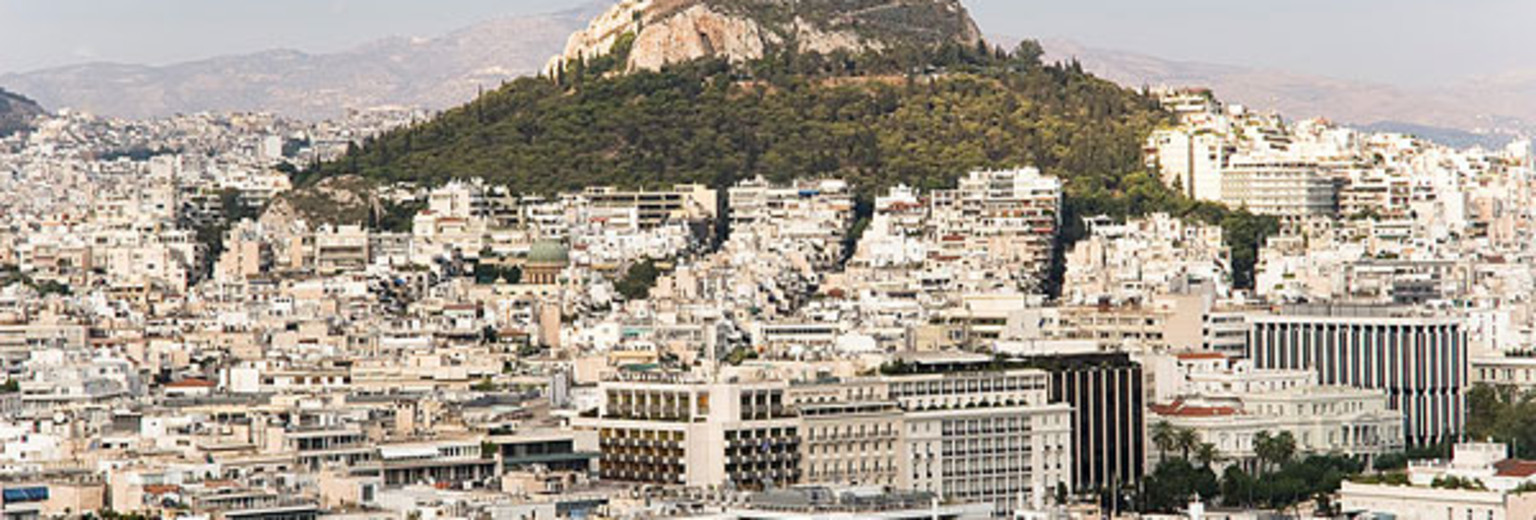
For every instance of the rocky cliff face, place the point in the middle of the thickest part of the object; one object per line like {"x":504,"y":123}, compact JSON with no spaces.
{"x":671,"y":31}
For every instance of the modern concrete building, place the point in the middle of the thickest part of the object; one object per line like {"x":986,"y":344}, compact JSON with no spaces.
{"x":983,"y":435}
{"x":948,"y":428}
{"x":1421,"y":361}
{"x":1107,"y":394}
{"x":683,"y":203}
{"x":1488,"y":486}
{"x":671,"y":429}
{"x":1279,"y":186}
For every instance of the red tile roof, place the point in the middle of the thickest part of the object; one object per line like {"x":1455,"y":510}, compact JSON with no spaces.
{"x":191,"y":382}
{"x":158,"y":489}
{"x":1179,"y":409}
{"x":1195,"y":356}
{"x":1515,"y":468}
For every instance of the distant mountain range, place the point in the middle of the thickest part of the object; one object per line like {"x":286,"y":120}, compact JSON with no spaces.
{"x":436,"y":73}
{"x":1483,"y":111}
{"x":449,"y":70}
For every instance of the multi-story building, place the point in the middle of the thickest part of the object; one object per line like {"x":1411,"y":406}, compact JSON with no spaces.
{"x":1107,"y":394}
{"x":808,"y":218}
{"x":851,"y":432}
{"x":1190,"y":161}
{"x":340,"y":249}
{"x":1143,"y":258}
{"x":1279,"y":186}
{"x":683,"y":203}
{"x":946,"y":427}
{"x":997,"y":219}
{"x":1421,"y":361}
{"x":1322,"y":419}
{"x":1486,"y":485}
{"x":670,"y":429}
{"x":1505,"y":371}
{"x":983,"y":436}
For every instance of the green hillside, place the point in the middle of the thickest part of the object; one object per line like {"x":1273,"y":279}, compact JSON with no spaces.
{"x":916,"y":117}
{"x":16,"y":113}
{"x":789,"y":116}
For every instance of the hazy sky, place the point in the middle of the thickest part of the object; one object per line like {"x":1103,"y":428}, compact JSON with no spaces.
{"x":1408,"y":42}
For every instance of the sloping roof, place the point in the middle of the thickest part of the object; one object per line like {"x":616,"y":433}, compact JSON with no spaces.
{"x":161,"y":489}
{"x":191,"y":382}
{"x":1179,"y":409}
{"x":1515,"y":468}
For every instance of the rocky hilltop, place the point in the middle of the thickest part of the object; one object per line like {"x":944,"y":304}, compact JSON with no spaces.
{"x":659,"y":32}
{"x":16,"y":113}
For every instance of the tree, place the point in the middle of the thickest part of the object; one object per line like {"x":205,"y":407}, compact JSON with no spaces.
{"x":1187,"y":441}
{"x":1296,"y":482}
{"x":1207,"y":454}
{"x":1173,"y":484}
{"x":1028,"y":54}
{"x":1504,"y":414}
{"x":1238,"y":489}
{"x":1165,"y":437}
{"x":784,"y":117}
{"x":1274,"y":450}
{"x":638,"y":280}
{"x":487,"y":273}
{"x":1284,"y":448}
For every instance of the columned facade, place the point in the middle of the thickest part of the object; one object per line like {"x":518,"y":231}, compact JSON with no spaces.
{"x":1421,"y":362}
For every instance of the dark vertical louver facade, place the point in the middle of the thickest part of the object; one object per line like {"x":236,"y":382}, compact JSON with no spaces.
{"x":1107,"y":395}
{"x":1421,"y":362}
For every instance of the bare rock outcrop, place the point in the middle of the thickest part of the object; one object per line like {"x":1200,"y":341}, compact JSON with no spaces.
{"x":662,"y":32}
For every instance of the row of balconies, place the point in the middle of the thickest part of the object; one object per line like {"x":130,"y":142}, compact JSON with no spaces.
{"x":629,"y":458}
{"x":988,"y":452}
{"x":836,"y":437}
{"x":762,"y":458}
{"x":642,"y":443}
{"x":644,"y":476}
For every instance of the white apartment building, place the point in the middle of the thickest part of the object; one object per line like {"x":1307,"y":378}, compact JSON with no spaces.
{"x":1496,"y":495}
{"x":1280,"y":186}
{"x":806,"y":219}
{"x":998,"y":220}
{"x":1190,"y":161}
{"x":682,"y":203}
{"x":984,"y":436}
{"x":1144,"y":258}
{"x":670,"y":429}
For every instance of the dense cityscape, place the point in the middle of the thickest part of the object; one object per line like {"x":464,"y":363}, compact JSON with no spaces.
{"x":198,"y":321}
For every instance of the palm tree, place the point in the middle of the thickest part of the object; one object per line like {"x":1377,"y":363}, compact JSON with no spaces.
{"x":1187,"y":441}
{"x":1285,"y":447}
{"x":1164,"y":436}
{"x":1263,"y":449}
{"x":1207,"y":454}
{"x":1274,"y":450}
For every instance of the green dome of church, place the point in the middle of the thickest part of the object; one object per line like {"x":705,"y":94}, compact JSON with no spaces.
{"x":548,"y":252}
